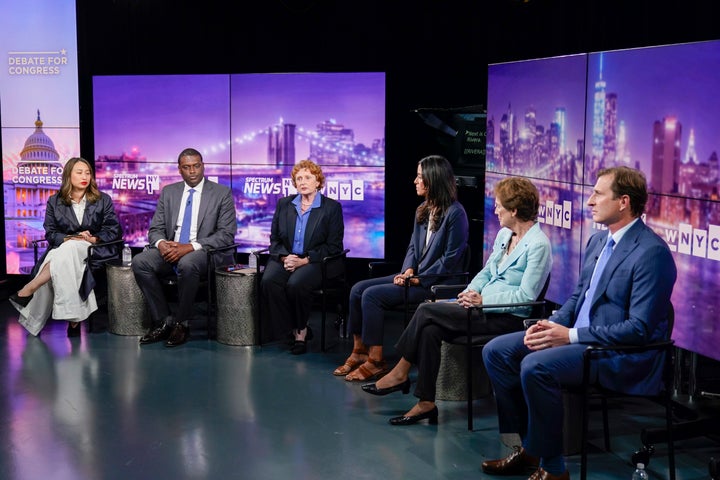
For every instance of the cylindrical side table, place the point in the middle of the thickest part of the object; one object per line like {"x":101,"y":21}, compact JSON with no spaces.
{"x":237,"y":309}
{"x":127,"y":313}
{"x":452,"y":377}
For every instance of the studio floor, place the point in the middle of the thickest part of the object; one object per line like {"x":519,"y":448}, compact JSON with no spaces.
{"x":102,"y":407}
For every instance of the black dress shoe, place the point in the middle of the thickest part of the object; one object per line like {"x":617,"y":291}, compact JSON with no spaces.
{"x":73,"y":331}
{"x":156,"y":335}
{"x":21,"y":301}
{"x":179,"y":335}
{"x":517,"y":463}
{"x":431,"y":415}
{"x":308,"y":336}
{"x":374,"y":390}
{"x":299,"y":347}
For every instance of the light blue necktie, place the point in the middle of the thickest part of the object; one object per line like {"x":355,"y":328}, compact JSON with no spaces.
{"x":187,"y":219}
{"x":583,"y":318}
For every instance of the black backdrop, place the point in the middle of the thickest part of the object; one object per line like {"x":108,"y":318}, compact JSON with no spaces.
{"x":435,"y":53}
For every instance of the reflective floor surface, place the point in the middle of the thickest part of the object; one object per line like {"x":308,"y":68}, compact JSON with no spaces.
{"x":102,"y":407}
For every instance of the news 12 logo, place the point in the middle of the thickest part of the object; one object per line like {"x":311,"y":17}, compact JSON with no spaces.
{"x":556,"y":214}
{"x":697,"y":242}
{"x":133,"y":181}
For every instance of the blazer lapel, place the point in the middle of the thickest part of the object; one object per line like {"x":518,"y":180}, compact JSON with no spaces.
{"x":204,"y":200}
{"x":290,"y":220}
{"x":315,"y":215}
{"x":517,"y":251}
{"x":90,"y":209}
{"x":620,"y":253}
{"x":69,"y":214}
{"x":175,"y":200}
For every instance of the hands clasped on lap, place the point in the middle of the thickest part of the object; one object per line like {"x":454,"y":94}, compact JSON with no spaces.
{"x":173,"y":251}
{"x":293,"y":262}
{"x":545,"y":334}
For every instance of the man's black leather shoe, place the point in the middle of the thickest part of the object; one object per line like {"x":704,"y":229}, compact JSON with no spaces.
{"x":156,"y":335}
{"x":179,"y":335}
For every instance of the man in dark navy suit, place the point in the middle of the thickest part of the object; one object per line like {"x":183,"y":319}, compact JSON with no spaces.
{"x":622,"y":297}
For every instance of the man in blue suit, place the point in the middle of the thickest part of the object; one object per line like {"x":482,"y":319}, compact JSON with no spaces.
{"x":207,"y":211}
{"x":626,"y":302}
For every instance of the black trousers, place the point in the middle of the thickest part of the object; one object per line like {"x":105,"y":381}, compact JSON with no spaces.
{"x":149,"y":268}
{"x":420,"y":343}
{"x":287,"y":296}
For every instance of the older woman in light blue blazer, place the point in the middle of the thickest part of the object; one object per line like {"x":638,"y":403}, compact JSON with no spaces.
{"x":515,"y":272}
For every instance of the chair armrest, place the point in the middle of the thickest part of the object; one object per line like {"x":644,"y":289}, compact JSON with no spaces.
{"x":596,"y":350}
{"x":211,"y":251}
{"x":36,"y":245}
{"x":484,"y":306}
{"x":382,"y":268}
{"x":331,"y":260}
{"x":259,"y":254}
{"x":446,"y":291}
{"x":93,"y":246}
{"x":465,"y":276}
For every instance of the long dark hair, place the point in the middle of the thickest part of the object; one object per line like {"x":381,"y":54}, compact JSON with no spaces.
{"x":92,"y":194}
{"x":439,"y":180}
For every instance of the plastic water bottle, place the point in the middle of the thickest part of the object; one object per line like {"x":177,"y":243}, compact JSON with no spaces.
{"x":252,"y":260}
{"x":126,"y":255}
{"x":640,"y":473}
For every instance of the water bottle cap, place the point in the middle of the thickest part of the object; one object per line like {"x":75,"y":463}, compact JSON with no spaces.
{"x":641,"y":466}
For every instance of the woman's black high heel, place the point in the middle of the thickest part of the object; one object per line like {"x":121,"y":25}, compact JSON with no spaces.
{"x":374,"y":390}
{"x":22,"y":301}
{"x":431,"y":415}
{"x":299,"y":347}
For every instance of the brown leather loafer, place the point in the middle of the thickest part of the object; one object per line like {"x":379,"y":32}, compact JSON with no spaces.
{"x":541,"y":474}
{"x":517,"y":463}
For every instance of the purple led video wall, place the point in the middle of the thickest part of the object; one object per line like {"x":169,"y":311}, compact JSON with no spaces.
{"x":653,"y":109}
{"x":535,"y":129}
{"x":251,"y":130}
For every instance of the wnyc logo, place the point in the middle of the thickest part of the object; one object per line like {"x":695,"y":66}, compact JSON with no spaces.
{"x":556,"y":214}
{"x":698,"y":242}
{"x":133,"y":181}
{"x":350,"y":190}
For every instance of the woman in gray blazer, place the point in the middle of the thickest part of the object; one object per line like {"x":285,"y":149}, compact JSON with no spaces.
{"x":438,"y":246}
{"x":515,"y":272}
{"x":77,"y":216}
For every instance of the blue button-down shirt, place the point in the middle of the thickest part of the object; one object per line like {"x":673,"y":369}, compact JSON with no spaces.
{"x":298,"y":247}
